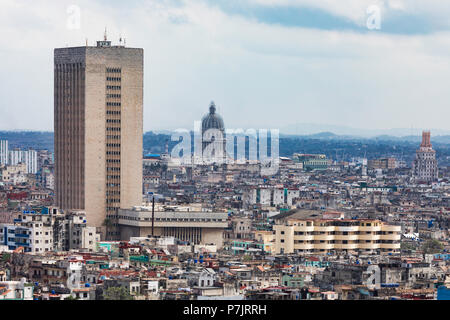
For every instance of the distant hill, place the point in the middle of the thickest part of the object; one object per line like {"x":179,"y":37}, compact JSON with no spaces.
{"x":314,"y":128}
{"x":38,"y":140}
{"x":441,"y":139}
{"x":334,"y":146}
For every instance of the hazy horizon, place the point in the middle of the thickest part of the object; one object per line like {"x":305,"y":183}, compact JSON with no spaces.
{"x":339,"y":131}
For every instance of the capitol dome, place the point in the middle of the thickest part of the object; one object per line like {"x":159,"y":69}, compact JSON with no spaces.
{"x":212,"y":120}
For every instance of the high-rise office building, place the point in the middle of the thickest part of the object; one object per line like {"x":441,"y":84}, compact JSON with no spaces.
{"x":425,"y":165}
{"x":98,"y":116}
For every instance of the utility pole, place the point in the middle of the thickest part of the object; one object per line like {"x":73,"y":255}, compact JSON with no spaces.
{"x":153,"y":215}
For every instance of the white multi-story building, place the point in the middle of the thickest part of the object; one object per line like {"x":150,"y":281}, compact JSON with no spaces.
{"x":31,"y":160}
{"x":49,"y":230}
{"x":270,"y":196}
{"x":15,"y":157}
{"x":14,"y":174}
{"x":33,"y":236}
{"x":4,"y":152}
{"x":16,"y":290}
{"x":50,"y":181}
{"x":81,"y":236}
{"x":320,"y":236}
{"x":28,"y":157}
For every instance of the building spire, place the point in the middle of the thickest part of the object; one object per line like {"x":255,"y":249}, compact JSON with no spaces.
{"x":426,"y":139}
{"x":212,"y":108}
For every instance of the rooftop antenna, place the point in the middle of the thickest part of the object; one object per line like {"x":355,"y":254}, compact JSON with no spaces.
{"x":105,"y":37}
{"x":120,"y":40}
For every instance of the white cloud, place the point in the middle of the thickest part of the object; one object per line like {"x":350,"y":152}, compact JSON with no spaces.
{"x":259,"y":75}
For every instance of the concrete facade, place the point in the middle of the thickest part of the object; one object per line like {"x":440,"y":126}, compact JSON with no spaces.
{"x":325,"y":235}
{"x":425,"y":167}
{"x":191,"y":226}
{"x":98,"y":131}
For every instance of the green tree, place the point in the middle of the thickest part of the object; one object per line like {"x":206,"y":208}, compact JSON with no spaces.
{"x":117,"y":293}
{"x":407,"y":246}
{"x":247,"y":257}
{"x":432,"y":246}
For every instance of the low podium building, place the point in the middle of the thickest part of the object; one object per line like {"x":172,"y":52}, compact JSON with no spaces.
{"x":196,"y":227}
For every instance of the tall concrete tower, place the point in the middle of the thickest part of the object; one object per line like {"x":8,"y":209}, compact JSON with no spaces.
{"x":98,"y":116}
{"x":424,"y":167}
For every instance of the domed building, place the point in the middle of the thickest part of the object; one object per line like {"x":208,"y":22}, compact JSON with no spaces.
{"x":213,"y":121}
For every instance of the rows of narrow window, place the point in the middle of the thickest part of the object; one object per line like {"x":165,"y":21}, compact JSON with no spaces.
{"x":113,"y":87}
{"x":113,"y":79}
{"x":113,"y":70}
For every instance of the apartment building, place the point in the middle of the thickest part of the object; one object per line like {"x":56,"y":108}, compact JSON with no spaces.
{"x":14,"y":174}
{"x":49,"y":230}
{"x":270,"y":196}
{"x":28,"y":157}
{"x":16,"y":290}
{"x":4,"y":152}
{"x":33,"y":236}
{"x":325,"y":235}
{"x":383,"y":163}
{"x":311,"y":161}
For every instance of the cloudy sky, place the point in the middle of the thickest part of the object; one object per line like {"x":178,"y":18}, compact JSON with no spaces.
{"x":265,"y":63}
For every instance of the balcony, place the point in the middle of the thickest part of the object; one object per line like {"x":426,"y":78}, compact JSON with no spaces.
{"x":346,"y":245}
{"x":369,"y":246}
{"x":347,"y":237}
{"x":324,"y":228}
{"x":304,"y":237}
{"x":326,"y":246}
{"x":304,"y":228}
{"x":390,"y":237}
{"x":369,"y":237}
{"x":303,"y":246}
{"x":392,"y":228}
{"x":347,"y":229}
{"x":324,"y":237}
{"x":389,"y":245}
{"x":22,"y":235}
{"x":370,"y":228}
